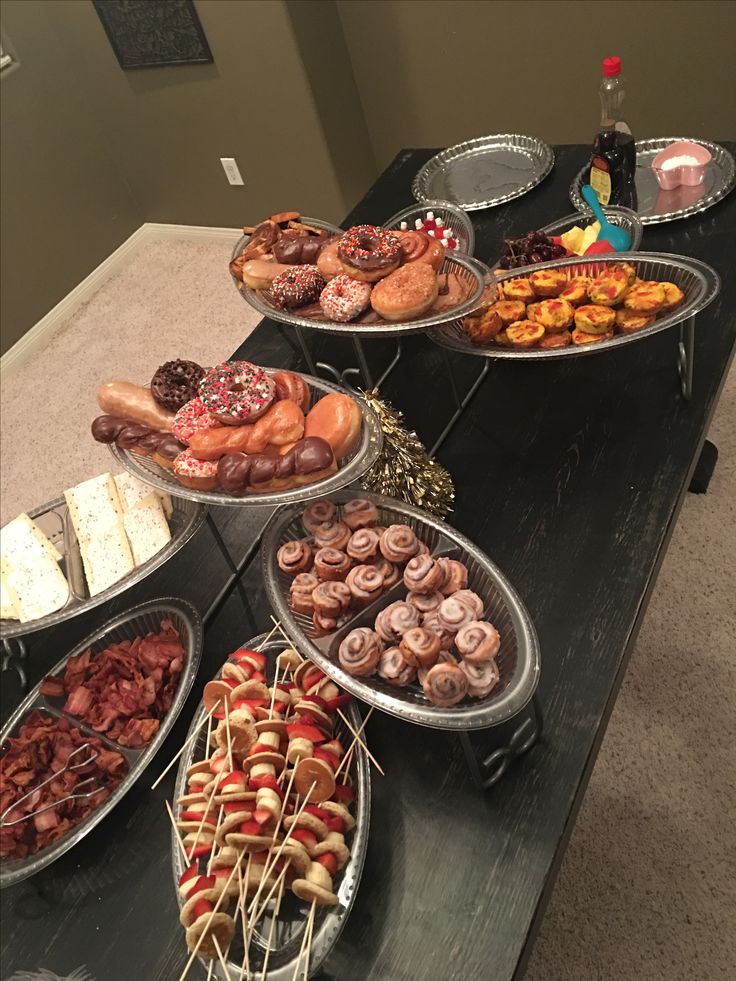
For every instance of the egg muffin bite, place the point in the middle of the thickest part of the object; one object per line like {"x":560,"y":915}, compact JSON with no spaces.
{"x":609,"y":288}
{"x":594,"y":319}
{"x":563,"y":339}
{"x":517,"y":289}
{"x":576,"y":290}
{"x":673,"y":297}
{"x":629,"y":270}
{"x":510,"y":310}
{"x":524,"y":333}
{"x":548,"y":282}
{"x":629,"y":321}
{"x":482,"y":328}
{"x":646,"y":298}
{"x":502,"y":339}
{"x":581,"y":337}
{"x":553,"y":315}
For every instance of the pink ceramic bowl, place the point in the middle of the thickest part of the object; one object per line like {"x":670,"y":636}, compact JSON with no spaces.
{"x":690,"y":175}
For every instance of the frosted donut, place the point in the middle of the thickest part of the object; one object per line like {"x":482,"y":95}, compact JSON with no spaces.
{"x":190,"y":419}
{"x":297,"y":286}
{"x":194,"y":473}
{"x":236,"y":392}
{"x":344,"y":298}
{"x":368,"y":252}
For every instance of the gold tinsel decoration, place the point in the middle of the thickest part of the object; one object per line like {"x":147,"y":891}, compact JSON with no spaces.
{"x":404,"y":469}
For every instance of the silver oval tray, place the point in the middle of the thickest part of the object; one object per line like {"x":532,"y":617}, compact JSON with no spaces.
{"x":698,"y":280}
{"x":518,"y":659}
{"x":654,"y":204}
{"x":484,"y":172}
{"x":454,"y":218}
{"x":140,"y":620}
{"x":361,"y":459}
{"x":53,"y":519}
{"x":289,"y":930}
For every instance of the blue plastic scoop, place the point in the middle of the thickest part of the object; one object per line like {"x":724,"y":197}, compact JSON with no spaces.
{"x":619,"y":239}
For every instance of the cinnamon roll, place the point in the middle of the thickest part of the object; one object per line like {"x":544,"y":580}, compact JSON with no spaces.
{"x":424,"y":602}
{"x":482,"y":678}
{"x":423,"y":575}
{"x":331,"y":564}
{"x":360,"y":651}
{"x":477,"y":641}
{"x":359,"y":513}
{"x":330,"y":599}
{"x":420,"y":647}
{"x":392,"y":667}
{"x":390,"y":572}
{"x":456,"y":576}
{"x":430,"y":621}
{"x":294,"y":557}
{"x":317,"y":513}
{"x":399,"y":544}
{"x":331,"y":534}
{"x":470,"y":599}
{"x":445,"y":657}
{"x":324,"y":625}
{"x":423,"y":549}
{"x":452,"y":614}
{"x":363,"y":545}
{"x":365,"y":583}
{"x":393,"y":622}
{"x":445,"y":684}
{"x":300,"y":592}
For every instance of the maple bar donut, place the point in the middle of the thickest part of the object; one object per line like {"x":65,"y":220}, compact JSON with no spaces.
{"x":482,"y":678}
{"x":344,"y":298}
{"x":331,"y":599}
{"x":294,"y":557}
{"x":369,"y":253}
{"x":317,"y":513}
{"x":296,"y":287}
{"x":195,"y":474}
{"x":365,"y":582}
{"x":331,"y":534}
{"x":394,"y":669}
{"x":260,"y":273}
{"x":477,"y":641}
{"x":407,"y":293}
{"x":394,"y":621}
{"x":423,"y":575}
{"x":420,"y":647}
{"x":364,"y":545}
{"x":236,"y":392}
{"x":359,"y":513}
{"x":190,"y":419}
{"x":331,"y":564}
{"x":399,"y":544}
{"x":300,"y":592}
{"x":360,"y":651}
{"x":445,"y":684}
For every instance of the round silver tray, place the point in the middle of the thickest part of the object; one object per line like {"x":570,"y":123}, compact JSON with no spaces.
{"x":699,"y":281}
{"x":140,"y":620}
{"x":454,"y":218}
{"x":329,"y":921}
{"x":484,"y":172}
{"x":53,"y":519}
{"x":361,"y":459}
{"x":656,"y":205}
{"x":518,"y":659}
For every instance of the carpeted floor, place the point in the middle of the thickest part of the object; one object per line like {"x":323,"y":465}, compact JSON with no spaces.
{"x":647,"y":889}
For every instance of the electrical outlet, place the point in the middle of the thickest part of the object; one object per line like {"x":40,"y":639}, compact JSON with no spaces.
{"x":231,"y":170}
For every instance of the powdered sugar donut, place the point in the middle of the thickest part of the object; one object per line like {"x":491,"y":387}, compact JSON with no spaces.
{"x":190,"y":419}
{"x":344,"y":298}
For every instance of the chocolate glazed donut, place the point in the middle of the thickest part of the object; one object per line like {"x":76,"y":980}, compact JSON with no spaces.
{"x":132,"y":436}
{"x":238,"y":474}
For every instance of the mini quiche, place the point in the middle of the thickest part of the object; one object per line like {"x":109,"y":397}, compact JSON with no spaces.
{"x":594,"y":319}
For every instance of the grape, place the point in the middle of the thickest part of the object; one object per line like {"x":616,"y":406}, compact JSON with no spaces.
{"x":558,"y":250}
{"x":537,"y":257}
{"x":505,"y":262}
{"x":545,"y":251}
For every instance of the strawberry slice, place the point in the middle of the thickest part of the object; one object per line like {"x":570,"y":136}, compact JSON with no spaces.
{"x":335,"y":823}
{"x":279,"y":707}
{"x":218,"y":764}
{"x":340,"y":701}
{"x":271,"y":783}
{"x":258,"y":676}
{"x":218,"y":715}
{"x":194,"y":816}
{"x":329,"y":758}
{"x":259,"y":858}
{"x":236,"y":807}
{"x":260,"y":748}
{"x":223,"y":873}
{"x":300,"y":730}
{"x":231,"y":681}
{"x":236,"y":777}
{"x":344,"y":794}
{"x":262,"y":815}
{"x":316,"y":811}
{"x":250,"y":828}
{"x":307,"y":838}
{"x":188,"y":873}
{"x":245,"y":654}
{"x":315,"y":699}
{"x":202,"y":851}
{"x":329,"y":861}
{"x":313,"y":678}
{"x":201,"y":908}
{"x":287,"y":685}
{"x":203,"y":882}
{"x":313,"y":716}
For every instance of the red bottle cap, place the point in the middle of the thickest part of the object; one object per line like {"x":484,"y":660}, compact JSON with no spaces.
{"x":611,"y":67}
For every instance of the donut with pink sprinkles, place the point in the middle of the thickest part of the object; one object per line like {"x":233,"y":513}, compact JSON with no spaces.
{"x":344,"y":298}
{"x":190,"y":419}
{"x":236,"y":392}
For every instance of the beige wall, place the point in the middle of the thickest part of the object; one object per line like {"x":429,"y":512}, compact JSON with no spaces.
{"x":435,"y":73}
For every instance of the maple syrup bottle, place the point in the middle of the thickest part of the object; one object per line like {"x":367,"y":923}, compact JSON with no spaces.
{"x":613,"y":163}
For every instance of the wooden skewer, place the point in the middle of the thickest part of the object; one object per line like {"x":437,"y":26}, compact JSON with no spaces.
{"x":275,"y":916}
{"x":277,"y":624}
{"x":268,"y":636}
{"x":357,"y":736}
{"x":190,"y":740}
{"x":308,"y":951}
{"x":280,"y":880}
{"x":222,"y":959}
{"x":227,"y":733}
{"x":365,"y":749}
{"x":209,"y":970}
{"x":245,"y":966}
{"x":304,"y":941}
{"x":273,"y":692}
{"x":176,"y":831}
{"x":204,"y":814}
{"x":215,"y":849}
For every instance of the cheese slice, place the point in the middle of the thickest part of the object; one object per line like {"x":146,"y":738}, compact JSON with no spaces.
{"x":107,"y":558}
{"x":8,"y":609}
{"x":97,"y":517}
{"x":146,"y":528}
{"x":33,"y":584}
{"x":132,"y":491}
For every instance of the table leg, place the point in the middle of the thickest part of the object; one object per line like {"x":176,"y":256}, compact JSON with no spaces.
{"x":511,"y":740}
{"x":704,"y":468}
{"x":233,"y":580}
{"x":305,"y":351}
{"x":15,"y":660}
{"x":461,"y":404}
{"x":685,"y":357}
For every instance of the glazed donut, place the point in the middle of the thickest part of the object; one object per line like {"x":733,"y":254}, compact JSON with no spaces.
{"x":331,"y":599}
{"x":360,"y":651}
{"x":476,"y":641}
{"x":445,"y":684}
{"x":393,"y":622}
{"x":296,"y":287}
{"x":470,"y":599}
{"x":399,"y":544}
{"x":134,"y":403}
{"x":452,"y":615}
{"x":430,"y":621}
{"x":331,"y":534}
{"x":423,"y":575}
{"x":260,"y":273}
{"x":300,"y":592}
{"x":424,"y":602}
{"x":318,"y":513}
{"x":368,"y":252}
{"x":291,"y":386}
{"x":236,"y":392}
{"x":281,"y":425}
{"x":190,"y":419}
{"x":337,"y":419}
{"x":363,"y":545}
{"x":328,"y":262}
{"x":394,"y":669}
{"x":365,"y":583}
{"x":359,"y":513}
{"x":331,"y":564}
{"x":194,"y":473}
{"x":407,"y":293}
{"x":175,"y":383}
{"x":417,"y":246}
{"x":420,"y":647}
{"x":482,"y":678}
{"x":456,"y":576}
{"x":294,"y":557}
{"x":344,"y":298}
{"x":390,"y":572}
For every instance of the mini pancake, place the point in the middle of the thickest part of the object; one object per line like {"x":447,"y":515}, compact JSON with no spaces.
{"x":582,"y":337}
{"x":524,"y":333}
{"x":576,"y":291}
{"x":563,"y":339}
{"x":187,"y":910}
{"x":274,"y":724}
{"x":629,"y":321}
{"x":553,"y":315}
{"x":517,"y":289}
{"x":548,"y":282}
{"x":251,"y":689}
{"x":234,"y":671}
{"x":215,"y":694}
{"x":218,"y":925}
{"x":594,"y":319}
{"x":339,"y":810}
{"x":297,"y":855}
{"x":608,"y":288}
{"x":646,"y":298}
{"x":673,"y":297}
{"x":229,"y":824}
{"x":509,"y":311}
{"x":334,"y":843}
{"x":309,"y":822}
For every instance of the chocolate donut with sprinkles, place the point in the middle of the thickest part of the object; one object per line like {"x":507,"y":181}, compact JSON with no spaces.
{"x":297,"y":286}
{"x":369,"y":253}
{"x":236,"y":392}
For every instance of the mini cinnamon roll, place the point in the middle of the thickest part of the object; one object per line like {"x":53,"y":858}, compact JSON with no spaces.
{"x":477,"y":641}
{"x":331,"y":534}
{"x":365,"y":582}
{"x":317,"y":513}
{"x":326,"y":625}
{"x":420,"y":647}
{"x":360,"y":651}
{"x":294,"y":557}
{"x":482,"y":678}
{"x":423,"y":575}
{"x":399,"y":544}
{"x":424,"y":602}
{"x":430,"y":621}
{"x":363,"y":545}
{"x":390,"y":572}
{"x":445,"y":684}
{"x":446,"y":657}
{"x":470,"y":599}
{"x":300,"y":592}
{"x":452,"y":615}
{"x":394,"y":669}
{"x":393,"y":622}
{"x":423,"y":549}
{"x":331,"y":564}
{"x":331,"y":599}
{"x":359,"y":513}
{"x":456,"y":576}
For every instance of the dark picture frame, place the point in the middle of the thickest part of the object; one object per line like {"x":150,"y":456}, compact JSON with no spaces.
{"x":153,"y":33}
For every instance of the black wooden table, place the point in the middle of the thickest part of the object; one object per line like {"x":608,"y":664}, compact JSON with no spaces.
{"x":570,"y":475}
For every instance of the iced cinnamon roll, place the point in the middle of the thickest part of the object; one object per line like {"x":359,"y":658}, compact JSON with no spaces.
{"x":453,"y":614}
{"x":424,"y":602}
{"x":456,"y":576}
{"x":420,"y":647}
{"x":430,"y":621}
{"x":470,"y":599}
{"x":365,"y":583}
{"x":294,"y":557}
{"x":393,"y":622}
{"x":392,"y":667}
{"x":300,"y":592}
{"x":390,"y":572}
{"x":331,"y":564}
{"x":360,"y":651}
{"x":359,"y":513}
{"x":399,"y":544}
{"x":363,"y":545}
{"x":324,"y":625}
{"x":423,"y":575}
{"x":482,"y":678}
{"x":331,"y":534}
{"x":477,"y":641}
{"x":331,"y":599}
{"x":317,"y":513}
{"x":445,"y":684}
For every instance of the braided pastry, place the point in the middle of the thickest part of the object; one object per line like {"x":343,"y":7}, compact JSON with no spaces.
{"x":477,"y":641}
{"x":359,"y":513}
{"x":331,"y":534}
{"x":482,"y":678}
{"x":399,"y":544}
{"x":423,"y":575}
{"x":300,"y":592}
{"x":360,"y":651}
{"x":393,"y":668}
{"x":363,"y":545}
{"x":445,"y":684}
{"x":365,"y":583}
{"x":317,"y":513}
{"x":330,"y":599}
{"x":452,"y":615}
{"x":331,"y":564}
{"x":393,"y":622}
{"x":456,"y":576}
{"x":294,"y":557}
{"x":420,"y":647}
{"x":424,"y":602}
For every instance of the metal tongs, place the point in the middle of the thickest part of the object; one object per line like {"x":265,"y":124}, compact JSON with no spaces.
{"x":93,"y":754}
